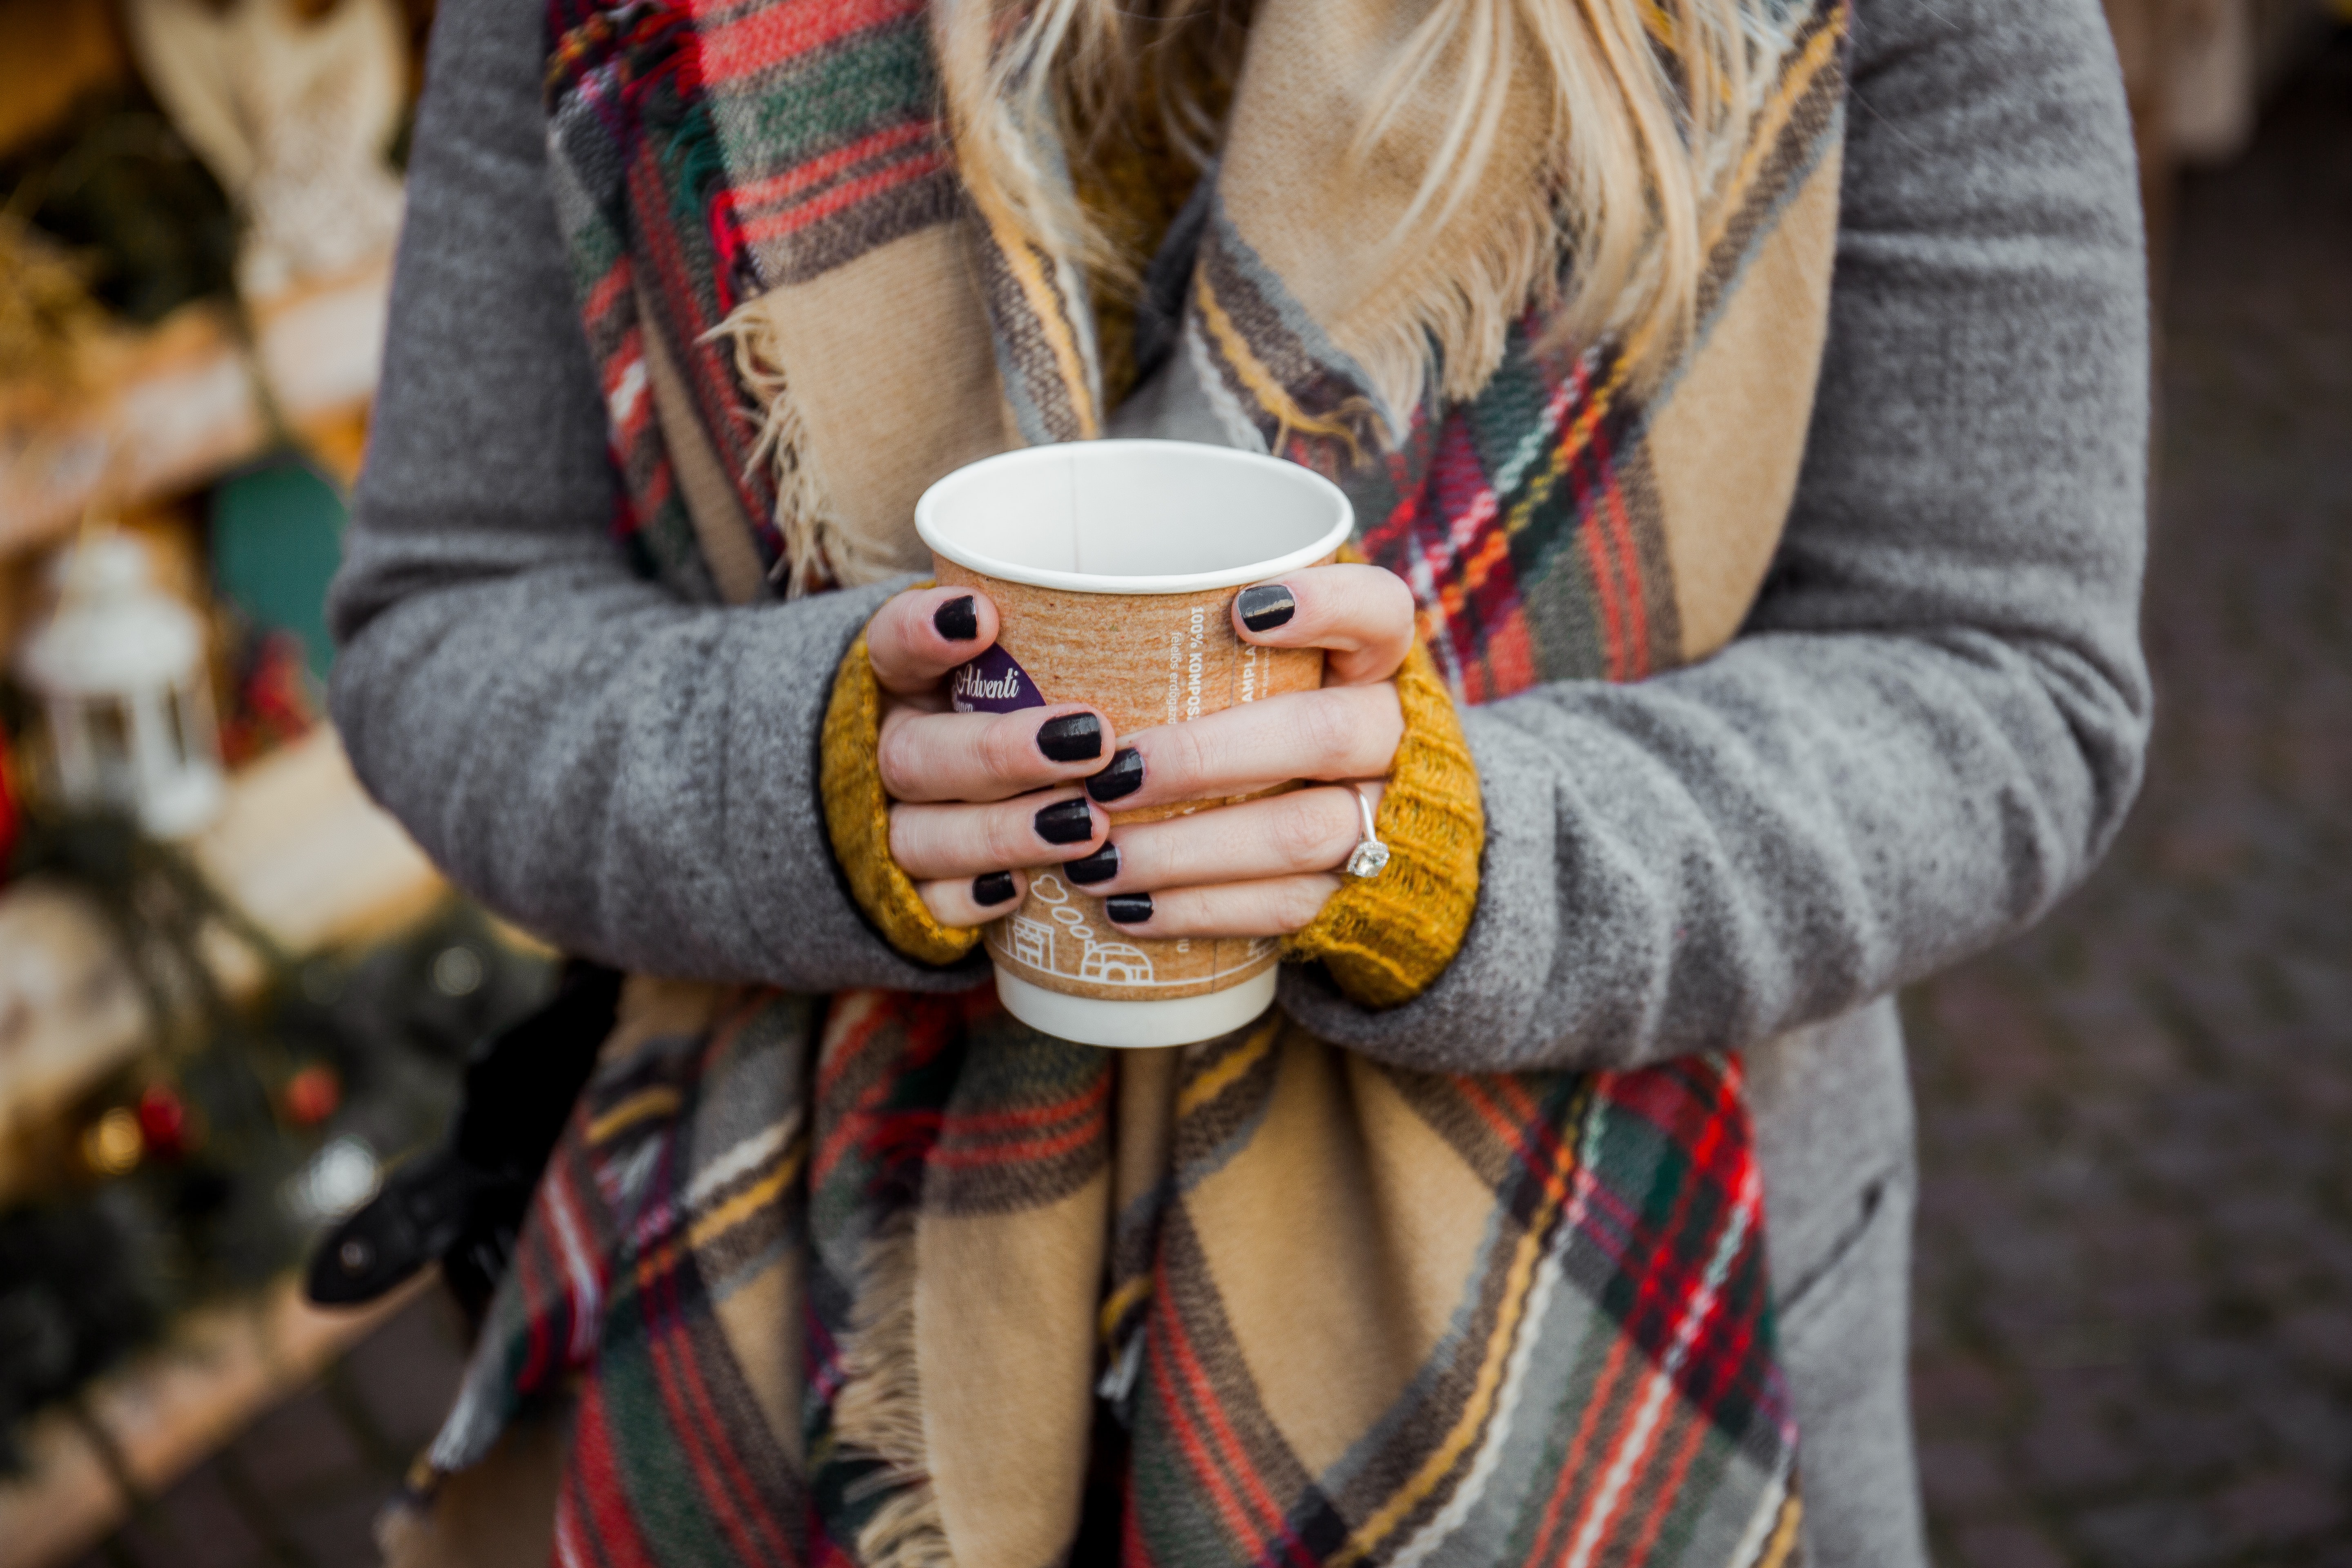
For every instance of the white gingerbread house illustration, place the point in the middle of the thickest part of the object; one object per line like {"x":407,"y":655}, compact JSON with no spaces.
{"x":1032,"y":942}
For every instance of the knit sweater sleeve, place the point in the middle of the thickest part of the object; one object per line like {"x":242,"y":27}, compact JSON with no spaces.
{"x":857,"y":815}
{"x":629,"y":773}
{"x":1384,"y":940}
{"x":1932,"y":723}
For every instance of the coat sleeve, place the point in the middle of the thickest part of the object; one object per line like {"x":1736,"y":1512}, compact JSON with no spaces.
{"x":629,"y":775}
{"x":1933,"y":723}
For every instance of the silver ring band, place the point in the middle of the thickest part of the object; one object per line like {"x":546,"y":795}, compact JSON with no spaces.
{"x":1370,"y":856}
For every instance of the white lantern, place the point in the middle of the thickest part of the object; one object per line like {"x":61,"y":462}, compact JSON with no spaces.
{"x":118,"y":669}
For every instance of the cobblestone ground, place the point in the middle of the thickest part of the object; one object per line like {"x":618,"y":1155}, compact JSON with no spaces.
{"x":301,"y":1487}
{"x":2133,"y":1322}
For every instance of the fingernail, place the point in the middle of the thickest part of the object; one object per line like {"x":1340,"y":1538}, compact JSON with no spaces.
{"x":1072,"y":737}
{"x":1128,"y":909}
{"x":1065,"y":822}
{"x":1100,"y":866}
{"x":1123,"y":777}
{"x":992,"y":887}
{"x":1267,"y":606}
{"x":957,"y":620}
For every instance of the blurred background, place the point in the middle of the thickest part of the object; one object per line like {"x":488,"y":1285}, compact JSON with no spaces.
{"x":232,"y":996}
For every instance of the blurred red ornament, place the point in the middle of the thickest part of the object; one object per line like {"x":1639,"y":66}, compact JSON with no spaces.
{"x":276,"y":700}
{"x":164,"y":1120}
{"x":312,"y":1094}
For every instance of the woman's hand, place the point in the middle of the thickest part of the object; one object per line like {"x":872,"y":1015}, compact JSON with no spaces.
{"x":977,"y":797}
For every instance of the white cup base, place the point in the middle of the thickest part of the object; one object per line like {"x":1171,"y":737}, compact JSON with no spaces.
{"x":1130,"y":1026}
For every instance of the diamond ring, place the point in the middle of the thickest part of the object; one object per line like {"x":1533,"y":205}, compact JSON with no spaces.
{"x":1369,"y":854}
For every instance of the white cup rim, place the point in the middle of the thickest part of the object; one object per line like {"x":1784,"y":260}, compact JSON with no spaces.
{"x":927,"y":525}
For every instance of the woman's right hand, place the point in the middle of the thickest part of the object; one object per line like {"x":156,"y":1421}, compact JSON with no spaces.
{"x":975,"y":793}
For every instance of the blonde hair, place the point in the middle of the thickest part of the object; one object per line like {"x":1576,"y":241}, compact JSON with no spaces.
{"x":1647,"y":104}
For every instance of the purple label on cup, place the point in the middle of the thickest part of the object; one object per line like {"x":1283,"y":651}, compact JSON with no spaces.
{"x":994,"y":683}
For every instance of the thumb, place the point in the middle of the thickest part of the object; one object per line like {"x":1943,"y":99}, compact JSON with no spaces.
{"x":919,"y":636}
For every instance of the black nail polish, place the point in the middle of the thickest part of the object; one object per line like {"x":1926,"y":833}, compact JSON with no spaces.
{"x":1267,"y":606}
{"x":1100,"y":866}
{"x":1122,"y":778}
{"x":957,"y":620}
{"x":992,"y":887}
{"x":1128,"y":909}
{"x":1065,"y":822}
{"x":1072,"y":737}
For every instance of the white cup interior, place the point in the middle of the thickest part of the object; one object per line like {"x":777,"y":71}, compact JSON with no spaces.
{"x":1133,"y":517}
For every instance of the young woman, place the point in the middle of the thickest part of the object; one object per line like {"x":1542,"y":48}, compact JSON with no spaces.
{"x":1743,"y":402}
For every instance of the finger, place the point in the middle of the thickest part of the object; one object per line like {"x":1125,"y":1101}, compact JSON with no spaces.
{"x":916,"y":637}
{"x":1276,"y":907}
{"x":1338,"y":733}
{"x":1303,"y":831}
{"x":1361,"y":615}
{"x":988,"y":756}
{"x":933,"y":842}
{"x":973,"y":900}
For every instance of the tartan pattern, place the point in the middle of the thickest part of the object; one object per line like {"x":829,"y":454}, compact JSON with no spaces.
{"x":1525,"y":519}
{"x":703,"y":153}
{"x":1604,"y":1374}
{"x":1044,"y":337}
{"x":1562,"y":1326}
{"x":1601,"y":1373}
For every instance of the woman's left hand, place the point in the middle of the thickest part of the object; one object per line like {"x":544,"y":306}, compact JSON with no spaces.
{"x":1260,"y":868}
{"x":1263,"y":868}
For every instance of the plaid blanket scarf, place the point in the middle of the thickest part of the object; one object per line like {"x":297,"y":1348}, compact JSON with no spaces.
{"x":893,"y":1279}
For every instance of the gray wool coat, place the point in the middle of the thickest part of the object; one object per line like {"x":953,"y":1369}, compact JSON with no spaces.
{"x":1929,"y":728}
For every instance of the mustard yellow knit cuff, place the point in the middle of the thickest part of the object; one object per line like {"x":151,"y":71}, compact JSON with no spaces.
{"x":1386,"y":938}
{"x":857,"y":817}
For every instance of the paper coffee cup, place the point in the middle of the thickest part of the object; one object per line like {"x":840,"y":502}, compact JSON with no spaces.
{"x":1113,"y":566}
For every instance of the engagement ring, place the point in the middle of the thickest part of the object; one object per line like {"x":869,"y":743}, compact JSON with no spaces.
{"x":1371,"y":855}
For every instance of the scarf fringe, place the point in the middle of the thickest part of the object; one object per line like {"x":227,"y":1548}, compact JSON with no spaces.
{"x":906,"y":1533}
{"x":1452,"y":323}
{"x":879,"y":1409}
{"x":820,"y":545}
